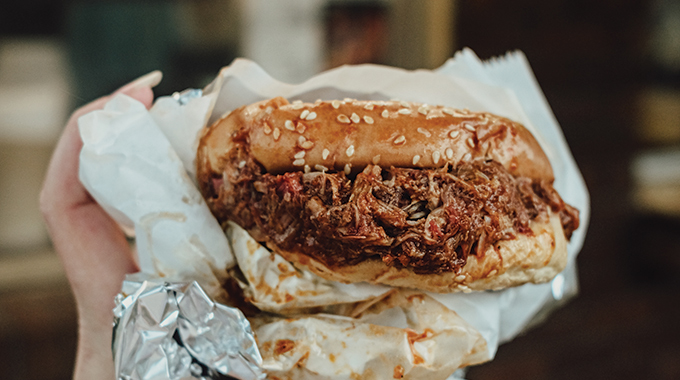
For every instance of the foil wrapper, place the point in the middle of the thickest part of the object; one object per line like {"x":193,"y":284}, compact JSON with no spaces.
{"x":175,"y":331}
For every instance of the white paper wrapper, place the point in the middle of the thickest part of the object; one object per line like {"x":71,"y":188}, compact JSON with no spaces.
{"x":135,"y":163}
{"x":407,"y":335}
{"x":275,"y":285}
{"x":129,"y":166}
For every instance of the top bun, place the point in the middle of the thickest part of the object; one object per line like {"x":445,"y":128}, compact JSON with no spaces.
{"x":347,"y":135}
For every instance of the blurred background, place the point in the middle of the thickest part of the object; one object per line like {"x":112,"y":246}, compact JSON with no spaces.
{"x":609,"y":69}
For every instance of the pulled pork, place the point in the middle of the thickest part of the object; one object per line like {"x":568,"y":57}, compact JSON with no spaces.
{"x":429,"y":220}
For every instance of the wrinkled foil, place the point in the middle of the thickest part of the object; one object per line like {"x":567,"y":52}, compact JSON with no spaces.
{"x":175,"y":331}
{"x":184,"y":97}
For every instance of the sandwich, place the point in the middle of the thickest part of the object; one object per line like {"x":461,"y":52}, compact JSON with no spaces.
{"x":389,"y":192}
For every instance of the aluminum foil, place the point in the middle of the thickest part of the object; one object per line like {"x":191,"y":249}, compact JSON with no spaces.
{"x":175,"y":331}
{"x":186,"y":96}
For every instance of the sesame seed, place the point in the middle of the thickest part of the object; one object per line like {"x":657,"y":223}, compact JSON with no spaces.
{"x":400,"y":140}
{"x":311,"y":116}
{"x":423,"y":110}
{"x":304,"y":114}
{"x":434,"y":115}
{"x":301,"y":139}
{"x":300,"y":128}
{"x":343,"y":119}
{"x":469,"y":127}
{"x":298,"y":101}
{"x":368,"y":119}
{"x":470,"y":142}
{"x":320,"y":168}
{"x":289,"y":125}
{"x":436,"y":156}
{"x":349,"y":100}
{"x":465,"y":289}
{"x":449,"y":153}
{"x":241,"y":164}
{"x":460,"y":278}
{"x":454,"y":134}
{"x":307,"y":169}
{"x":267,"y":129}
{"x":277,"y":133}
{"x":335,"y":104}
{"x":355,"y":118}
{"x":376,"y":160}
{"x":307,"y":145}
{"x":404,"y":111}
{"x":416,"y":158}
{"x":350,"y":151}
{"x":296,"y":105}
{"x":404,"y":103}
{"x":424,"y":131}
{"x":385,"y":113}
{"x":369,"y":106}
{"x":300,"y":154}
{"x":449,"y":111}
{"x":348,"y":169}
{"x":325,"y":154}
{"x":492,"y":273}
{"x":467,"y":157}
{"x":299,"y":162}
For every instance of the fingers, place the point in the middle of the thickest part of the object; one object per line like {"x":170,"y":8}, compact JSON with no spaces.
{"x":83,"y":234}
{"x":62,"y":188}
{"x":139,"y":89}
{"x":149,"y":80}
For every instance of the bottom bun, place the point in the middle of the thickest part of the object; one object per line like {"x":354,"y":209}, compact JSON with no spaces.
{"x":534,"y":258}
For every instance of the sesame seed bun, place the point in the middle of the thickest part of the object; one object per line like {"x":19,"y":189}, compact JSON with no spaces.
{"x":348,"y":136}
{"x":339,"y":134}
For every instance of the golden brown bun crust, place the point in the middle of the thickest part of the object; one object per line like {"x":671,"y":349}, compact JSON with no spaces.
{"x":534,"y":259}
{"x":351,"y":134}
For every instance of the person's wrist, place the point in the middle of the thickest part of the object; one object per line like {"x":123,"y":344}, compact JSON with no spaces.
{"x":94,"y":358}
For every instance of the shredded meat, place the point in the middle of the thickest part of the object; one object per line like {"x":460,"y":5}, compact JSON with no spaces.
{"x":429,"y":220}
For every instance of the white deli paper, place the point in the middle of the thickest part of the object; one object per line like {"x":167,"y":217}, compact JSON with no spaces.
{"x":139,"y":165}
{"x":130,"y":167}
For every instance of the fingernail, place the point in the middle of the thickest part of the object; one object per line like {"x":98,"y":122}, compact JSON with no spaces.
{"x":151,"y":79}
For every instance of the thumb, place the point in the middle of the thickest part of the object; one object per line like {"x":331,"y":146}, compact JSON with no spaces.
{"x":140,"y":88}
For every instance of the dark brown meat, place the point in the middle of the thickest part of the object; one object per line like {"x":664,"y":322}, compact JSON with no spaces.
{"x":429,"y":220}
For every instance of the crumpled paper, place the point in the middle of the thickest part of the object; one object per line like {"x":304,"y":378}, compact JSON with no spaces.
{"x":130,"y":167}
{"x":275,"y":285}
{"x":406,"y":335}
{"x":135,"y":163}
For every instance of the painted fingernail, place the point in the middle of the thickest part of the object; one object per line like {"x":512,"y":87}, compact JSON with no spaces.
{"x":151,"y":79}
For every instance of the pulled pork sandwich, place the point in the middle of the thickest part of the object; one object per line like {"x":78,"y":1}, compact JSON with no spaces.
{"x":389,"y":192}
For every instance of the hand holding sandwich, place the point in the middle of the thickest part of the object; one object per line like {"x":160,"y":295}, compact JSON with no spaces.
{"x":93,"y":249}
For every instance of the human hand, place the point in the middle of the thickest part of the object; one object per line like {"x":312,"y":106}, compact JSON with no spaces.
{"x":93,"y":249}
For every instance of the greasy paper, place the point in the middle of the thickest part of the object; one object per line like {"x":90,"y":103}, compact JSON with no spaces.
{"x":139,"y":164}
